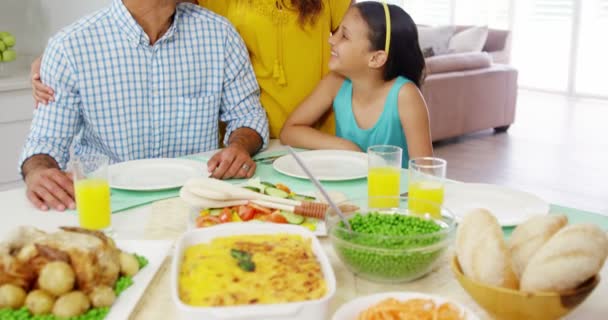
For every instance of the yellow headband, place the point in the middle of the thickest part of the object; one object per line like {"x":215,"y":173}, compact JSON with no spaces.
{"x":387,"y":42}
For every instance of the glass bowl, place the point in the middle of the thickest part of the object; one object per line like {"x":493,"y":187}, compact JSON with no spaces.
{"x":390,"y":244}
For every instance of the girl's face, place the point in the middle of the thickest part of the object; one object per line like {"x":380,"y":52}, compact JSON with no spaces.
{"x":350,"y":45}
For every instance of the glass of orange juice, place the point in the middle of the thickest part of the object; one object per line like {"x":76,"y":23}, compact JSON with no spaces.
{"x":92,"y":188}
{"x":383,"y":176}
{"x":426,"y":176}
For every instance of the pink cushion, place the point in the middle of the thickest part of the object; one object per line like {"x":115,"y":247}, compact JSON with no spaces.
{"x":458,"y":62}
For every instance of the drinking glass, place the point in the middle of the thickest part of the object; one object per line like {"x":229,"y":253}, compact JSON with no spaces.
{"x":426,"y":178}
{"x":92,"y":188}
{"x":383,"y":175}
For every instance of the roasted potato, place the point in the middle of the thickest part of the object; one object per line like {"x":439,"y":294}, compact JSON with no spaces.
{"x":26,"y":253}
{"x":56,"y":278}
{"x":129,"y":265}
{"x":102,"y":296}
{"x":11,"y":296}
{"x":71,"y":304}
{"x":39,"y":302}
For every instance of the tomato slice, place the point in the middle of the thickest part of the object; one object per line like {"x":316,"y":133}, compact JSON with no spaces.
{"x":277,"y":218}
{"x":206,"y":221}
{"x":226,"y":215}
{"x":261,"y":216}
{"x":246,"y":213}
{"x":259,"y":208}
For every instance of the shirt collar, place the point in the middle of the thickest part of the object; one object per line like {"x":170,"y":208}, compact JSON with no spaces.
{"x":134,"y":32}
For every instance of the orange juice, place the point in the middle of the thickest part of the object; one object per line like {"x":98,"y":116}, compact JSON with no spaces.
{"x":383,"y":182}
{"x":431,"y":192}
{"x":93,"y":203}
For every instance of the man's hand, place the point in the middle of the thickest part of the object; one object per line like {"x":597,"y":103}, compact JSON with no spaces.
{"x":47,"y":186}
{"x":50,"y":188}
{"x":233,"y":161}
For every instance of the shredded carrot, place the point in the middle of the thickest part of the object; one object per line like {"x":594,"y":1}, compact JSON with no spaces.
{"x":413,"y":309}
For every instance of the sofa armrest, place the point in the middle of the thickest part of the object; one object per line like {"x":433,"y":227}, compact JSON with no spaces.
{"x":458,"y":62}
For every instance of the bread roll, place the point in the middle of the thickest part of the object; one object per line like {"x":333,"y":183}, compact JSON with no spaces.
{"x":482,"y":251}
{"x":569,"y":258}
{"x":529,"y":236}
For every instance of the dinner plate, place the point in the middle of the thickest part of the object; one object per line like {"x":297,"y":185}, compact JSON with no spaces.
{"x":153,"y":250}
{"x":154,"y":174}
{"x":509,"y":206}
{"x":352,"y":309}
{"x":326,"y":165}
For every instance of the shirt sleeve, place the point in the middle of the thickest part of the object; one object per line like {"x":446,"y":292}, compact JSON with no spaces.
{"x":338,"y":9}
{"x":240,"y":105}
{"x":55,"y":125}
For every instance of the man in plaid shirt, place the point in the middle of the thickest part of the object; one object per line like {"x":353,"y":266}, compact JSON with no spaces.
{"x":143,"y":79}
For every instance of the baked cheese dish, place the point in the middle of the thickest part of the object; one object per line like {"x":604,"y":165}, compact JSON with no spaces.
{"x":251,"y":269}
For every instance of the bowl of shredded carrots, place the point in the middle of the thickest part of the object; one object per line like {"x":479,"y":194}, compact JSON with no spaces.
{"x":403,"y":306}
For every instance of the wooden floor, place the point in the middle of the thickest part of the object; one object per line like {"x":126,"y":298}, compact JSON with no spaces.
{"x":557,"y":149}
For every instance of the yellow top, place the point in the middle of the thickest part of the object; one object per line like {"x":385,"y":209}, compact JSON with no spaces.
{"x":288,"y":59}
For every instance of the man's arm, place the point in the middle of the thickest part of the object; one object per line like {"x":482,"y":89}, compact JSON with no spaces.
{"x":247,"y":138}
{"x":247,"y":130}
{"x":37,"y":162}
{"x":240,"y":106}
{"x":53,"y":127}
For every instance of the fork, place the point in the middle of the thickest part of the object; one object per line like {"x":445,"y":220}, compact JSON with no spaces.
{"x":268,"y":159}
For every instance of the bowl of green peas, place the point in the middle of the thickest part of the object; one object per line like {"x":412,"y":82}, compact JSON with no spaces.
{"x":389,"y":243}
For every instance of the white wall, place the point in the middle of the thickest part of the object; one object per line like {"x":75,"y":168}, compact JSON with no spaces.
{"x":34,"y":21}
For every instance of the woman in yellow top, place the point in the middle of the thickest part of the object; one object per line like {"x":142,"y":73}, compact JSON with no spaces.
{"x":287,"y":43}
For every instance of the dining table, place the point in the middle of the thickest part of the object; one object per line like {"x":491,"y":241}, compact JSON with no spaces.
{"x":167,"y":217}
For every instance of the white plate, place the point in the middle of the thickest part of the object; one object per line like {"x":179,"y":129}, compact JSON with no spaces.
{"x":154,"y":174}
{"x":352,"y":309}
{"x":155,"y":251}
{"x":326,"y":165}
{"x":509,"y":206}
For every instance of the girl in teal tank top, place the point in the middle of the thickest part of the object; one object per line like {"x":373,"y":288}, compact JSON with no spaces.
{"x":377,"y":69}
{"x":386,"y":131}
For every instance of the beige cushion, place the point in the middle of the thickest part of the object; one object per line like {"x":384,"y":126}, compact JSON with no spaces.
{"x":436,"y":38}
{"x":458,"y":62}
{"x":468,"y":40}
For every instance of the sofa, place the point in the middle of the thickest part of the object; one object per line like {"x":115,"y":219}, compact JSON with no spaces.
{"x":471,"y":91}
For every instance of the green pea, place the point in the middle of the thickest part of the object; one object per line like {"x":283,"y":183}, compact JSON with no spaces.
{"x":372,"y":261}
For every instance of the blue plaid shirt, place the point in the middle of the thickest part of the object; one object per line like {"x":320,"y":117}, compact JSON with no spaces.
{"x":115,"y":94}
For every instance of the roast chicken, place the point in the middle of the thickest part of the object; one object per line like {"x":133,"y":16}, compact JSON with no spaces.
{"x":93,"y":256}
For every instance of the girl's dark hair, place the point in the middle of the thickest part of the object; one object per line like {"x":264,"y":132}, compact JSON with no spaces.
{"x":308,"y":10}
{"x":404,"y":57}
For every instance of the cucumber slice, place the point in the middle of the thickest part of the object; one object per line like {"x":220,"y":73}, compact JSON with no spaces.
{"x":292,"y":217}
{"x":301,"y":197}
{"x":215,"y":212}
{"x":254,"y":189}
{"x":268,"y":184}
{"x":274,"y":192}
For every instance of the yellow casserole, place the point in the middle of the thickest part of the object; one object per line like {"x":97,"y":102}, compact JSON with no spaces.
{"x":282,"y":268}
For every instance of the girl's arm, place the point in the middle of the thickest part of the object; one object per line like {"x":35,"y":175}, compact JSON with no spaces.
{"x":298,"y":130}
{"x":414,"y":118}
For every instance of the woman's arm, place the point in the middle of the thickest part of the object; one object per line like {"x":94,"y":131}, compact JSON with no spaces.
{"x":298,"y":130}
{"x":40,"y":92}
{"x":414,"y":118}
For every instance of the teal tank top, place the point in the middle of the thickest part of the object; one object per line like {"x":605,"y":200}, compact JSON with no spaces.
{"x":387,"y":130}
